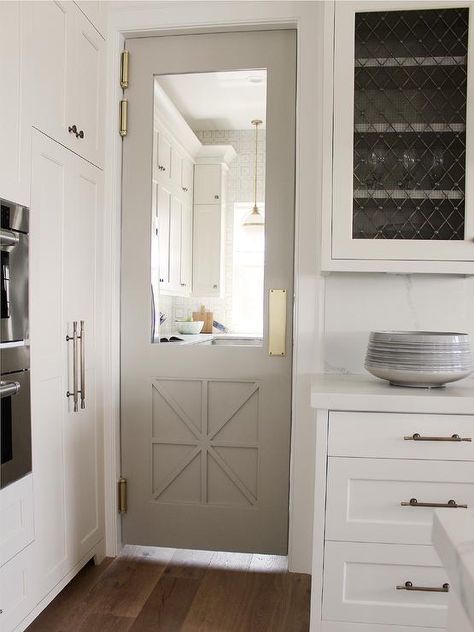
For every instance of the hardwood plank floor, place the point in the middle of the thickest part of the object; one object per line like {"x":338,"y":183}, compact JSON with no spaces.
{"x":148,"y":589}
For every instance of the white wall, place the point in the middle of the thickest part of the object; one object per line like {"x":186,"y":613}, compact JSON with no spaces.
{"x":355,"y":304}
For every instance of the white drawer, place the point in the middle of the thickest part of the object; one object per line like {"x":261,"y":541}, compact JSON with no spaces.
{"x":360,"y":583}
{"x":16,"y":523}
{"x":364,"y":497}
{"x":16,"y":589}
{"x":382,"y":435}
{"x":337,"y":626}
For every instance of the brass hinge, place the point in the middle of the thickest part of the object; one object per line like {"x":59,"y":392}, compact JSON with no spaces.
{"x":122,"y":495}
{"x":123,"y":118}
{"x":124,"y":69}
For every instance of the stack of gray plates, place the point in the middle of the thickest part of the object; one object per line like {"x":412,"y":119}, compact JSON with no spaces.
{"x":419,"y":358}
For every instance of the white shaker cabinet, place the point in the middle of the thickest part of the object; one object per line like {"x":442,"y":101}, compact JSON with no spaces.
{"x":172,"y":210}
{"x":208,"y":255}
{"x":209,"y":229}
{"x":14,"y":130}
{"x":64,"y":80}
{"x":67,"y":444}
{"x":403,"y":138}
{"x":381,"y":474}
{"x":96,"y":12}
{"x":207,"y":184}
{"x":17,"y":589}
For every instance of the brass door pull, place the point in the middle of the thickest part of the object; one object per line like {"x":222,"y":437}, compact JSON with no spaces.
{"x":454,"y":438}
{"x":409,"y":586}
{"x":451,"y":504}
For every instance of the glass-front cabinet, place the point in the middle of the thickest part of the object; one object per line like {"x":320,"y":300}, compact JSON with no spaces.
{"x":403,"y":157}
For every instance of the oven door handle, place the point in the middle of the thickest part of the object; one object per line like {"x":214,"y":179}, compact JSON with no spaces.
{"x":7,"y":389}
{"x":8,"y":239}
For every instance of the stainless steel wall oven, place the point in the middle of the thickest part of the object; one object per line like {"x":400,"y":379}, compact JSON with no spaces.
{"x":14,"y":230}
{"x":15,"y":425}
{"x":15,"y":407}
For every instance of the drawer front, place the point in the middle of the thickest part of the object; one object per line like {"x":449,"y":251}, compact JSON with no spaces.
{"x":360,"y":584}
{"x":338,"y":626}
{"x":364,"y":497}
{"x":382,"y":435}
{"x":16,"y":590}
{"x":16,"y":523}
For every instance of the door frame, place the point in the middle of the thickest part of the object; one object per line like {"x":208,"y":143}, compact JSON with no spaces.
{"x":312,"y":168}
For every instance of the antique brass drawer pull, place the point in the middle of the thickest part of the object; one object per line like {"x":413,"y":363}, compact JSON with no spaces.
{"x":409,"y":586}
{"x":454,"y":438}
{"x":451,"y":504}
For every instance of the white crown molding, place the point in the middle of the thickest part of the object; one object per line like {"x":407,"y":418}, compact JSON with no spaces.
{"x":212,"y":154}
{"x":168,"y":114}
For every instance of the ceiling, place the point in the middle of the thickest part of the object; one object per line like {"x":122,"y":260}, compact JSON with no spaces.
{"x":218,"y":100}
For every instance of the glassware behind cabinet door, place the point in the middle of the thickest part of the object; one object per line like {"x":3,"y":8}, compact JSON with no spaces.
{"x":437,"y":166}
{"x":409,"y":161}
{"x":377,"y":163}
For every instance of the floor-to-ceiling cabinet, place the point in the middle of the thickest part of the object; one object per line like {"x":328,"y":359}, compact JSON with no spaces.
{"x":53,"y":58}
{"x":67,"y":444}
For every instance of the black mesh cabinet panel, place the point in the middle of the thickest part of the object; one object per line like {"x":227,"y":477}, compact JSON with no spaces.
{"x":410,"y":82}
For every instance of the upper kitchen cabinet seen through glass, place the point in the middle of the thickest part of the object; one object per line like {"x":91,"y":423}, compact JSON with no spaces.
{"x":407,"y":74}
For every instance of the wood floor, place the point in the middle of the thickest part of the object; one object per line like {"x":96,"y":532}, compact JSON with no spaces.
{"x":167,"y":590}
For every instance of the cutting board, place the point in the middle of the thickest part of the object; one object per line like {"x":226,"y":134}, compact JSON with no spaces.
{"x":207,"y":317}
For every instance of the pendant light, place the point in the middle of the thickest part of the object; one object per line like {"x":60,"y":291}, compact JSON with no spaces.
{"x":255,"y":217}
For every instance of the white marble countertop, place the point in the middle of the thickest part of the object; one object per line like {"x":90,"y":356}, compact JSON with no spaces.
{"x":186,"y":339}
{"x":194,"y":339}
{"x":366,"y":393}
{"x":453,"y":539}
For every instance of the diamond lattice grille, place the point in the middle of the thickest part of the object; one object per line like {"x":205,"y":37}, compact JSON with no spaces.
{"x":410,"y":124}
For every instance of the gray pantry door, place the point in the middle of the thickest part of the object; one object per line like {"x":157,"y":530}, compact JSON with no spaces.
{"x":205,"y":430}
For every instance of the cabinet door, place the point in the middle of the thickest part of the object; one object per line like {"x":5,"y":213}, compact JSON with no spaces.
{"x":163,"y":211}
{"x":50,"y":183}
{"x":163,"y":156}
{"x":50,"y":68}
{"x":186,"y":247}
{"x":67,"y":446}
{"x":83,"y":429}
{"x":207,"y":184}
{"x":16,"y":589}
{"x":207,"y":250}
{"x":403,"y":133}
{"x":187,"y":168}
{"x":16,"y":525}
{"x":14,"y":127}
{"x":175,"y":243}
{"x":95,"y":11}
{"x":88,"y":82}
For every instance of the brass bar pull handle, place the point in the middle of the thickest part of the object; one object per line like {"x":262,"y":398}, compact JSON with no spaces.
{"x":453,"y":438}
{"x":277,"y":323}
{"x":451,"y":504}
{"x":75,"y":391}
{"x":83,"y":365}
{"x":409,"y":586}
